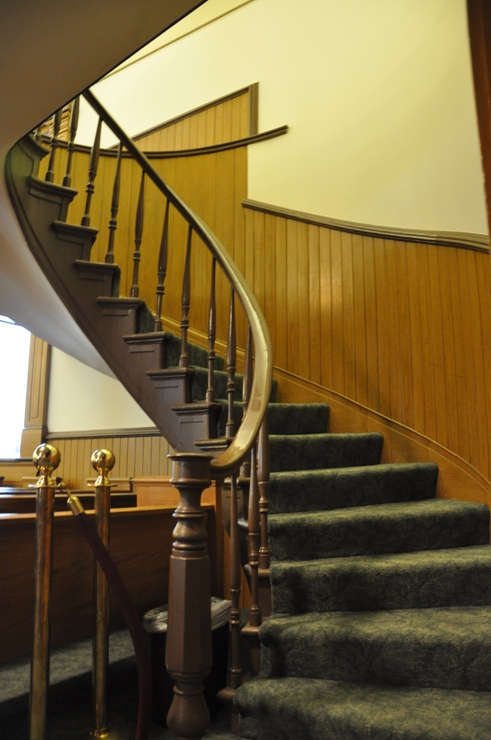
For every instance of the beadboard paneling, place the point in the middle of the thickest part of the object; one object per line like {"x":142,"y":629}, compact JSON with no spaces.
{"x":136,"y":456}
{"x":400,"y":327}
{"x":225,"y":120}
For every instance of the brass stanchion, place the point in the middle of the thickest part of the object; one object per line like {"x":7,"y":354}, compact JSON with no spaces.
{"x":102,"y":461}
{"x":46,"y":458}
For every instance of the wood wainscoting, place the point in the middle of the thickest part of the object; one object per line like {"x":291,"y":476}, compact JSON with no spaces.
{"x":138,"y":452}
{"x":396,"y":321}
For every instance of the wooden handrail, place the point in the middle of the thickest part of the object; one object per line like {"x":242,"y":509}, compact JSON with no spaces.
{"x":229,"y":460}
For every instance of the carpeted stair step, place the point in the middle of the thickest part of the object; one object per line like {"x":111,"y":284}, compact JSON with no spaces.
{"x":416,"y":580}
{"x":314,"y":451}
{"x":387,"y":528}
{"x":446,"y":648}
{"x":283,"y":418}
{"x":309,"y":490}
{"x":306,"y":709}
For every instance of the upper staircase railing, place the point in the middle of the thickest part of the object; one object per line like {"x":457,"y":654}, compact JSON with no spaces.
{"x":132,"y":341}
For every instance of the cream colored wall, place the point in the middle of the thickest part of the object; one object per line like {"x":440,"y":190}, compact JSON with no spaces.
{"x":83,"y":399}
{"x":378,"y":96}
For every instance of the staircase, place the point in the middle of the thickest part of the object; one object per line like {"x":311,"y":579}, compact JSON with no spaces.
{"x":381,"y":592}
{"x":381,"y":624}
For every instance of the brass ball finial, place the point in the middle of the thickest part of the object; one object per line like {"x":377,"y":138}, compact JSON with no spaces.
{"x":46,"y":458}
{"x":102,"y":461}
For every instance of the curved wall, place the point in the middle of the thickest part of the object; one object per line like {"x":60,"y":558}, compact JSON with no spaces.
{"x":378,"y":97}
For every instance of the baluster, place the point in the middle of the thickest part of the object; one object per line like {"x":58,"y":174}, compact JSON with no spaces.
{"x":50,"y":174}
{"x":162,"y":269}
{"x":231,"y":360}
{"x":245,"y":470}
{"x":46,"y":458}
{"x":212,"y":326}
{"x":102,"y":461}
{"x":263,"y":481}
{"x":188,"y":650}
{"x":235,"y":671}
{"x":93,"y":165}
{"x":186,"y":302}
{"x":113,"y":222}
{"x":67,"y":180}
{"x":138,"y":237}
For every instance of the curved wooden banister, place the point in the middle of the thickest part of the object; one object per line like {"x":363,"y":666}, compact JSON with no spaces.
{"x":227,"y":462}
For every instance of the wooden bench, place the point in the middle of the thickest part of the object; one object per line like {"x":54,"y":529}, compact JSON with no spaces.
{"x":25,"y":503}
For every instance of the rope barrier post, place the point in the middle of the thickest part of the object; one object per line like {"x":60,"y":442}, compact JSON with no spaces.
{"x":46,"y":458}
{"x":102,"y":461}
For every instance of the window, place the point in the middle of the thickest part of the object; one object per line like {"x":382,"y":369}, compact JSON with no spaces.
{"x":15,"y":342}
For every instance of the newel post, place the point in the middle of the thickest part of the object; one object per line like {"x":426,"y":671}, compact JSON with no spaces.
{"x":189,"y":650}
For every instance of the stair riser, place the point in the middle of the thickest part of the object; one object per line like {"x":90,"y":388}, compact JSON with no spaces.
{"x":321,"y":537}
{"x":347,"y":587}
{"x":296,"y":709}
{"x":312,"y":452}
{"x":338,"y":489}
{"x":400,"y":660}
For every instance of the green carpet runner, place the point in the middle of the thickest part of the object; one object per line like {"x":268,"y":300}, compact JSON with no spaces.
{"x":381,"y":625}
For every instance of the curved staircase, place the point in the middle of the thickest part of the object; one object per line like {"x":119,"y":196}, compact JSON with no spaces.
{"x":381,"y":592}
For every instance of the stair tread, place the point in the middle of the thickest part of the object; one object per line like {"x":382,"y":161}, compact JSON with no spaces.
{"x":428,"y":578}
{"x":407,"y":526}
{"x":446,"y":647}
{"x":292,"y":708}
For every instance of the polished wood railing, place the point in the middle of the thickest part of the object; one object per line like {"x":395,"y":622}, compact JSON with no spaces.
{"x":189,"y":632}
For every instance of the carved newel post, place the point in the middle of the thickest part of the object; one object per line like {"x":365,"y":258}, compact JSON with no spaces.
{"x":189,"y":651}
{"x":46,"y":458}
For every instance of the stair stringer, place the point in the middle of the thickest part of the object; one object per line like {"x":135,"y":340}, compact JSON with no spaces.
{"x":62,"y":251}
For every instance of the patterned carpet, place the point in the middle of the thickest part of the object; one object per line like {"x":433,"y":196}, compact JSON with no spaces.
{"x":69,"y":705}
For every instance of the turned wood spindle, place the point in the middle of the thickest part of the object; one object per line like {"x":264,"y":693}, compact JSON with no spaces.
{"x":189,"y":650}
{"x":212,"y":331}
{"x":254,"y":538}
{"x":186,"y":302}
{"x":113,"y":221}
{"x":231,"y":362}
{"x":235,"y":670}
{"x":93,"y":165}
{"x":67,"y":180}
{"x":46,"y":458}
{"x":162,"y":268}
{"x":263,"y":472}
{"x":138,"y":237}
{"x":50,"y":174}
{"x":245,"y":470}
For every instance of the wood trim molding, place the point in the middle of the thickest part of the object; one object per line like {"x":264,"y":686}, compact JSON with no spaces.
{"x":246,"y":141}
{"x":94,"y":433}
{"x":479,"y":24}
{"x":214,"y":148}
{"x":254,"y":109}
{"x":36,"y":414}
{"x":461,"y":240}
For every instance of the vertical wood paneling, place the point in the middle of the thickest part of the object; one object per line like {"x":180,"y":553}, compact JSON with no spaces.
{"x":401,"y":327}
{"x":218,"y":124}
{"x":150,"y":458}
